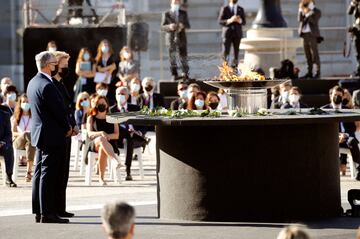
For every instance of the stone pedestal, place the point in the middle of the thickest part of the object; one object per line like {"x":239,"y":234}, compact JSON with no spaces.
{"x":267,"y":47}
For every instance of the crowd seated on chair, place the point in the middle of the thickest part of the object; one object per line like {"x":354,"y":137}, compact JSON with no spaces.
{"x":20,"y":124}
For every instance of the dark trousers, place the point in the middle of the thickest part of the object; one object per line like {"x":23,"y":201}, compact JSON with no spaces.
{"x":182,"y":49}
{"x":63,"y":178}
{"x":44,"y":188}
{"x":132,"y":142}
{"x":357,"y":47}
{"x":227,"y":42}
{"x":354,"y":149}
{"x":354,"y":194}
{"x":8,"y":153}
{"x":311,"y":51}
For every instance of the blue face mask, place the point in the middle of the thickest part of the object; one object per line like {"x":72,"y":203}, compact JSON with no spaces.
{"x":11,"y":97}
{"x":85,"y":103}
{"x":86,"y":56}
{"x":199,"y":103}
{"x":175,"y":7}
{"x":105,"y":49}
{"x":183,"y":94}
{"x":102,"y":92}
{"x":25,"y":106}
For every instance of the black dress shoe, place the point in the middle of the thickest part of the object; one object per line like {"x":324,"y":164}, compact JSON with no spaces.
{"x":37,"y":218}
{"x":53,"y":219}
{"x":10,"y":183}
{"x":66,"y":214}
{"x":128,"y":177}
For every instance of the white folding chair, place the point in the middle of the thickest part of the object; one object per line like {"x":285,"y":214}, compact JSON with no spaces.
{"x":75,"y":150}
{"x":17,"y":154}
{"x":352,"y":164}
{"x":3,"y":169}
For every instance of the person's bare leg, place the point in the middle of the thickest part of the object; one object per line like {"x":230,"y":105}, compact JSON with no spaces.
{"x":102,"y":165}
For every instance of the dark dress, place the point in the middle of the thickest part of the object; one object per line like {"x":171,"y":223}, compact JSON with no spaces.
{"x":102,"y":125}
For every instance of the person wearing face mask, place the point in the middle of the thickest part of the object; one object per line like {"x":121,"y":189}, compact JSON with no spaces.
{"x":135,"y":96}
{"x":20,"y":125}
{"x":49,"y":128}
{"x":82,"y":107}
{"x":347,"y":99}
{"x":294,"y":99}
{"x":197,"y":102}
{"x":132,"y":134}
{"x":308,"y":17}
{"x":10,"y":94}
{"x":106,"y":63}
{"x":192,"y":90}
{"x":181,"y":102}
{"x":5,"y":81}
{"x":104,"y":136}
{"x":102,"y":89}
{"x":85,"y":70}
{"x":51,"y":46}
{"x":64,"y":166}
{"x":175,"y":22}
{"x":231,"y":18}
{"x":347,"y":130}
{"x":149,"y":98}
{"x":212,"y":100}
{"x":128,"y":67}
{"x":284,"y":93}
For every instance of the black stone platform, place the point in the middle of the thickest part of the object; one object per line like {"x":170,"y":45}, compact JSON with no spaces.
{"x":248,"y":169}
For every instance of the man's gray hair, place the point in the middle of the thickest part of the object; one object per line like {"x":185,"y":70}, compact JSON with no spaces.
{"x":118,"y":217}
{"x":42,"y":59}
{"x":146,"y":80}
{"x":122,"y":88}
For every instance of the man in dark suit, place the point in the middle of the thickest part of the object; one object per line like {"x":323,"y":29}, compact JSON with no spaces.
{"x":181,"y":102}
{"x":128,"y":132}
{"x":232,"y":18}
{"x":62,"y":180}
{"x":149,"y":98}
{"x":174,"y":22}
{"x":6,"y":149}
{"x":347,"y":130}
{"x":49,"y":127}
{"x":309,"y":17}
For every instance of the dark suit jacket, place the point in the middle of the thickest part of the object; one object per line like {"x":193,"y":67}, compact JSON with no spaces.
{"x":67,"y":101}
{"x":312,"y":19}
{"x":349,"y":127}
{"x":288,"y":106}
{"x":130,"y":108}
{"x":233,"y":29}
{"x":157,"y":98}
{"x":49,"y":121}
{"x":175,"y":37}
{"x":178,"y":104}
{"x":5,"y":127}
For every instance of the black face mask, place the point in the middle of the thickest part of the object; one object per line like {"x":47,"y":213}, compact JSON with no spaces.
{"x":55,"y":71}
{"x":214,"y":105}
{"x":101,"y":108}
{"x":234,"y":1}
{"x":337,"y":99}
{"x":64,"y":72}
{"x":149,"y":88}
{"x":345,"y":101}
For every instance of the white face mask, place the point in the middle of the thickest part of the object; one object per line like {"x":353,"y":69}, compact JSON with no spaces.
{"x":135,"y":87}
{"x":86,"y":56}
{"x":126,"y":55}
{"x":102,"y":92}
{"x":199,"y":103}
{"x":105,"y":49}
{"x":25,"y":106}
{"x":11,"y":97}
{"x":294,"y":99}
{"x":175,"y":7}
{"x":52,"y":49}
{"x":311,"y":6}
{"x":121,"y":99}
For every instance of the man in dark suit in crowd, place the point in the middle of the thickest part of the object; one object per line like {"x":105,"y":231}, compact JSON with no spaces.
{"x":134,"y":138}
{"x":149,"y":98}
{"x":49,"y":127}
{"x":181,"y":102}
{"x":232,"y":18}
{"x":174,"y":22}
{"x":62,"y":180}
{"x":6,"y":149}
{"x":309,"y":17}
{"x":347,"y":130}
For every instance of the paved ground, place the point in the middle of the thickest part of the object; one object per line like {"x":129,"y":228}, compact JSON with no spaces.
{"x":16,"y":221}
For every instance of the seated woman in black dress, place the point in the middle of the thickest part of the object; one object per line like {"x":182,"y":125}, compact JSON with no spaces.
{"x":103,"y":134}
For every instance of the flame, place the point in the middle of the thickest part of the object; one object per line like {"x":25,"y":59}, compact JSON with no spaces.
{"x":227,"y":73}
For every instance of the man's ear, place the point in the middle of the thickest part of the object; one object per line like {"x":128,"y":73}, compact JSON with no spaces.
{"x":132,"y":229}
